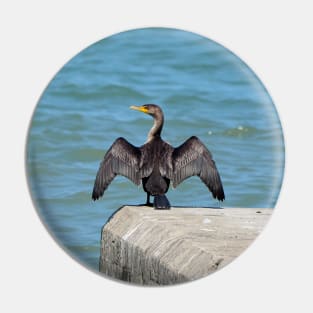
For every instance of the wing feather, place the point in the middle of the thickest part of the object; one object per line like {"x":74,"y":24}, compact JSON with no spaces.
{"x":192,"y":158}
{"x":121,"y":159}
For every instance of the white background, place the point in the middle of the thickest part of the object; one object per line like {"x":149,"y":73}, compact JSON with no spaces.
{"x":274,"y":38}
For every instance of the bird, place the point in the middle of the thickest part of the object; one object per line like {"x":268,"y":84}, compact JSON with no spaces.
{"x":156,"y":163}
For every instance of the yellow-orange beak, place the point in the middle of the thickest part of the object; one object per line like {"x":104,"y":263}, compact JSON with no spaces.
{"x":139,"y":108}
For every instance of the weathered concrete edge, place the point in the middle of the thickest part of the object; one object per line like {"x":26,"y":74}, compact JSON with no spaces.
{"x":108,"y":236}
{"x":124,"y":274}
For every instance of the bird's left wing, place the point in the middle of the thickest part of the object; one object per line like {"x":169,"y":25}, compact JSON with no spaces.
{"x":121,"y":159}
{"x":193,"y":158}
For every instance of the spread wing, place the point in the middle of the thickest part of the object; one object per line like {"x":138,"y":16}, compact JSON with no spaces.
{"x":121,"y":159}
{"x":193,"y":158}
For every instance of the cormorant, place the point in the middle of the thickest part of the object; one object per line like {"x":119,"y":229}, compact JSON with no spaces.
{"x":156,"y":163}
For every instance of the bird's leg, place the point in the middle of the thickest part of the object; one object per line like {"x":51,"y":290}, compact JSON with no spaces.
{"x":148,"y":203}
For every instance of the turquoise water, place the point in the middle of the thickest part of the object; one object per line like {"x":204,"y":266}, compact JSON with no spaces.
{"x":203,"y":89}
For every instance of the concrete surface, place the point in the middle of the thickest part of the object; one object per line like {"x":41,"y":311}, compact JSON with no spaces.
{"x":161,"y":247}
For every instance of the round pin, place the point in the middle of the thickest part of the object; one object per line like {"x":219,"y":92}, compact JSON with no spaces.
{"x":155,"y":156}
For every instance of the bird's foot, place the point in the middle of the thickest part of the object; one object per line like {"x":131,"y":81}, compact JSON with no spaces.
{"x":163,"y":208}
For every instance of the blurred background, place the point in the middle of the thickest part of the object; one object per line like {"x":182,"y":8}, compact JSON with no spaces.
{"x":203,"y":89}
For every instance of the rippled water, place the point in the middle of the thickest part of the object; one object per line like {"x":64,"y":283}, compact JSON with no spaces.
{"x":204,"y":90}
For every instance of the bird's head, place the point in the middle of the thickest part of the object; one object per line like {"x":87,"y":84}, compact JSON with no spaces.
{"x":151,"y":109}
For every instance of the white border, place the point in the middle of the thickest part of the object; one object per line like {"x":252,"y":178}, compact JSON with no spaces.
{"x":273,"y":38}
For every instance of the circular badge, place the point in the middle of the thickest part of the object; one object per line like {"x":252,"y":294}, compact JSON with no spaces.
{"x":155,"y":156}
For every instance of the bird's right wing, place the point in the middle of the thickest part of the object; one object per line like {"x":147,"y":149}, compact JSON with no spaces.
{"x":193,"y":158}
{"x":121,"y":159}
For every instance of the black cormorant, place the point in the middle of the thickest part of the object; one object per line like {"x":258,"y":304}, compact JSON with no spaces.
{"x":156,"y":163}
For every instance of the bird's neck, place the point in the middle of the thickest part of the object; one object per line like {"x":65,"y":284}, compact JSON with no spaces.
{"x":157,"y":127}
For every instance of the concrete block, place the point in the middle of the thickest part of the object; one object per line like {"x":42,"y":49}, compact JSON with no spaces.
{"x":162,"y":247}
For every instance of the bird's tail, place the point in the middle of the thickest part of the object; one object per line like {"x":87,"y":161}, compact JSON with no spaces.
{"x":161,"y":202}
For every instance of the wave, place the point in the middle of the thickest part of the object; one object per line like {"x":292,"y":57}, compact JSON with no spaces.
{"x":100,"y":92}
{"x":184,"y":99}
{"x":205,"y":68}
{"x":241,"y":131}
